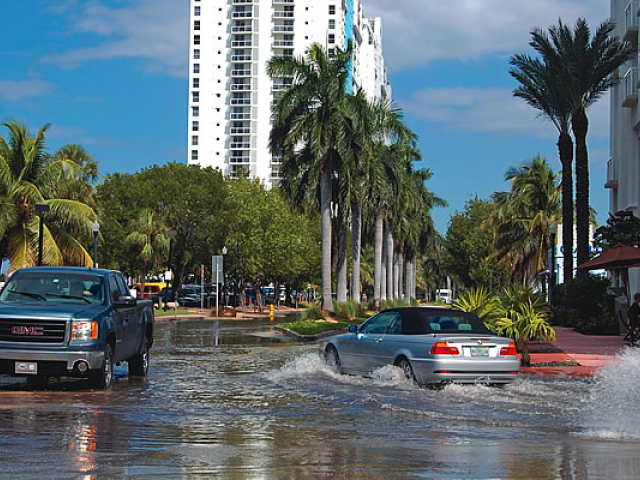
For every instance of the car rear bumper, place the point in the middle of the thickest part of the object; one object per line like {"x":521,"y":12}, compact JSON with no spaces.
{"x":54,"y":363}
{"x":429,"y":371}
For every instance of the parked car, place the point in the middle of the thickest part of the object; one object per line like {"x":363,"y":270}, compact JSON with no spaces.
{"x":164,"y":295}
{"x":72,"y":322}
{"x":431,"y":345}
{"x":190,"y":296}
{"x":150,"y":289}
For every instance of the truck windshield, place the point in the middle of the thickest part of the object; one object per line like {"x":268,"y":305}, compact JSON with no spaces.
{"x":30,"y":287}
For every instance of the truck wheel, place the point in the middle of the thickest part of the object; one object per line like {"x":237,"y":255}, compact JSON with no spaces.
{"x":139,"y":363}
{"x":103,"y":378}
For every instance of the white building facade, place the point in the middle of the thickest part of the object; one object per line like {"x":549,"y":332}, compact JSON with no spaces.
{"x":623,"y":181}
{"x":230,"y":93}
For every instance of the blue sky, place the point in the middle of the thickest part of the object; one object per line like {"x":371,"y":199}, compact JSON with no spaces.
{"x":112,"y":76}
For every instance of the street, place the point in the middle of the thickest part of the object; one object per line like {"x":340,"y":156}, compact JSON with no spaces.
{"x":230,"y":400}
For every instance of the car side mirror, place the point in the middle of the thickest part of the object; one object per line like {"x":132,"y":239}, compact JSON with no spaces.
{"x":353,"y":329}
{"x":125,"y":301}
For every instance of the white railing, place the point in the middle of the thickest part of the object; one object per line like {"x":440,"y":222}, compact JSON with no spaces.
{"x":241,"y":146}
{"x":240,"y":116}
{"x":240,"y":130}
{"x":235,"y":87}
{"x":631,"y":20}
{"x":281,"y":14}
{"x":240,"y":58}
{"x":244,"y":29}
{"x":241,"y":43}
{"x":279,"y":87}
{"x":283,"y":43}
{"x":611,"y":169}
{"x":631,"y":82}
{"x":290,"y":2}
{"x":239,"y":160}
{"x":242,"y":15}
{"x":283,"y":28}
{"x":242,"y":2}
{"x":240,"y":73}
{"x":240,"y":101}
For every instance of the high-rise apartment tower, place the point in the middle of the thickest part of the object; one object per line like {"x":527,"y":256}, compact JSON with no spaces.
{"x":230,"y":93}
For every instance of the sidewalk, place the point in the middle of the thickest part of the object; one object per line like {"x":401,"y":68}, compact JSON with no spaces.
{"x":578,"y":355}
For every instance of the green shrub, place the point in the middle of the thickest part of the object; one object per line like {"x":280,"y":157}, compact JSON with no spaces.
{"x":395,"y":303}
{"x":313,"y":328}
{"x":479,"y":301}
{"x":314,"y":312}
{"x":345,"y":310}
{"x":584,"y":304}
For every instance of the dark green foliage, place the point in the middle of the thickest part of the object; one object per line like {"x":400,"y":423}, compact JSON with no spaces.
{"x":622,"y":227}
{"x":584,"y":304}
{"x":312,"y":313}
{"x":313,"y":328}
{"x":346,"y":310}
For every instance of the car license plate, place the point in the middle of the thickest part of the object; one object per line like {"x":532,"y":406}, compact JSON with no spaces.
{"x":479,"y":351}
{"x":28,"y":368}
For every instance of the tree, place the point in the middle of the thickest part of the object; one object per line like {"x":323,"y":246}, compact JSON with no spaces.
{"x":28,"y":177}
{"x":622,"y":227}
{"x":150,"y":239}
{"x":311,"y":115}
{"x":543,"y":87}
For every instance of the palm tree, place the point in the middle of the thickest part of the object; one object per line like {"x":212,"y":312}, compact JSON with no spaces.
{"x":28,"y":176}
{"x":311,"y":115}
{"x":150,"y":237}
{"x":543,"y":87}
{"x":589,"y":65}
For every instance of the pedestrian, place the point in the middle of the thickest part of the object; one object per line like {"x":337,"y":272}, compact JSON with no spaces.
{"x":634,"y":317}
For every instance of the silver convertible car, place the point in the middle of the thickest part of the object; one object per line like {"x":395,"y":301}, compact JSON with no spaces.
{"x":431,"y":345}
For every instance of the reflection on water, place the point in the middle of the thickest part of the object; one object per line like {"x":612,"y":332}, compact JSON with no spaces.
{"x":237,"y":401}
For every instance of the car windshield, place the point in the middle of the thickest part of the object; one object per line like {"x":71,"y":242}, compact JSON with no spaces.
{"x":30,"y":287}
{"x":447,"y":322}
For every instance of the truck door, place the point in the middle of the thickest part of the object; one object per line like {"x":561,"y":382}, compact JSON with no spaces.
{"x":119,"y":317}
{"x":131,"y":323}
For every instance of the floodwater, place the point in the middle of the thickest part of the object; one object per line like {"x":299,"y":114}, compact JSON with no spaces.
{"x":226,"y":400}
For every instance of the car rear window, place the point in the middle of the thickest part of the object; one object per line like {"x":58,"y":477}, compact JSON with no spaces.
{"x":448,"y":322}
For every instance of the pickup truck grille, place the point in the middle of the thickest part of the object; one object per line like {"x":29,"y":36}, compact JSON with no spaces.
{"x":19,"y":330}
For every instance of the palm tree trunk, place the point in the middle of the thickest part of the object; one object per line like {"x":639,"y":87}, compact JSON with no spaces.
{"x":407,"y":281}
{"x":565,"y":150}
{"x":377,"y":262}
{"x":342,"y":258}
{"x":356,"y":236}
{"x":580,"y":126}
{"x":325,"y":208}
{"x":383,"y":273}
{"x":414,"y":276}
{"x":396,"y":274}
{"x":389,"y":246}
{"x":400,"y":274}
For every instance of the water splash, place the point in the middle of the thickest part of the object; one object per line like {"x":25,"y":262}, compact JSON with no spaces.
{"x":613,"y":408}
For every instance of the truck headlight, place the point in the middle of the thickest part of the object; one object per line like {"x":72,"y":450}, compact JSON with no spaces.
{"x":84,"y":331}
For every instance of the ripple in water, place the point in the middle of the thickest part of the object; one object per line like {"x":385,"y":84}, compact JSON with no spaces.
{"x":613,"y":408}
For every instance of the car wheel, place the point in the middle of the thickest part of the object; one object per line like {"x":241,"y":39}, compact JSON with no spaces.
{"x":332,"y":359}
{"x":103,"y":378}
{"x":139,"y":363}
{"x":406,"y":367}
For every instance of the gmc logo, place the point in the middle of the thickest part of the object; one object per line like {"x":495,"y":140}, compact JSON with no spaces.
{"x":21,"y":330}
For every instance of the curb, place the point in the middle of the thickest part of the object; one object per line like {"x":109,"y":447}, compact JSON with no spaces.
{"x":308,"y":338}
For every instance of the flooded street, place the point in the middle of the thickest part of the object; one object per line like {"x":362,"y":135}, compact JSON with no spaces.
{"x":230,"y":401}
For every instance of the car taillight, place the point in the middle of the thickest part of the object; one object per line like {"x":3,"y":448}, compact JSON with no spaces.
{"x":510,"y":350}
{"x":442,"y":348}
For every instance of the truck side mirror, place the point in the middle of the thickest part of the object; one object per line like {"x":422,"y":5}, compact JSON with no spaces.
{"x":124,"y":301}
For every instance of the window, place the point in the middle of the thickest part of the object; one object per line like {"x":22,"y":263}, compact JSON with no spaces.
{"x":114,"y":290}
{"x":196,"y":11}
{"x":380,"y":323}
{"x":196,"y":25}
{"x":332,"y":9}
{"x":196,"y":68}
{"x":332,"y":24}
{"x":194,"y":154}
{"x":332,"y":38}
{"x":195,"y":111}
{"x":194,"y":140}
{"x":196,"y":82}
{"x":195,"y":125}
{"x":196,"y":39}
{"x":196,"y":54}
{"x":195,"y":96}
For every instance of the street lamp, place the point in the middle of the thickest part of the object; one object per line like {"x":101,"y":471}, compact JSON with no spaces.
{"x":40,"y":209}
{"x":553,"y":229}
{"x":172,"y":234}
{"x":224,"y":291}
{"x":95,"y":227}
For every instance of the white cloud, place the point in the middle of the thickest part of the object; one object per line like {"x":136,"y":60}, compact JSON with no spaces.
{"x":416,"y":32}
{"x":155,"y":30}
{"x":15,"y":91}
{"x":493,"y":110}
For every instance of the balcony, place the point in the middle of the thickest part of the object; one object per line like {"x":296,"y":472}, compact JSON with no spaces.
{"x":240,"y":146}
{"x":631,"y":22}
{"x":283,"y":28}
{"x":612,"y":180}
{"x":240,"y":116}
{"x":240,"y":131}
{"x":240,"y":58}
{"x":242,"y":14}
{"x":283,"y":2}
{"x":283,"y":43}
{"x":241,"y":43}
{"x":278,"y":87}
{"x":240,"y":102}
{"x":242,"y":29}
{"x":630,"y":88}
{"x":240,"y":73}
{"x":242,"y":2}
{"x":282,"y":14}
{"x":240,"y":87}
{"x":239,"y":160}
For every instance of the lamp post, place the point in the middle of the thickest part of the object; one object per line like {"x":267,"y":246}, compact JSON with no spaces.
{"x":95,"y":227}
{"x":224,"y":291}
{"x":40,"y":209}
{"x":170,"y":283}
{"x":553,"y":229}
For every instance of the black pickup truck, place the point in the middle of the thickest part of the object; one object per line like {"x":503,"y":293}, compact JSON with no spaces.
{"x":72,"y":322}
